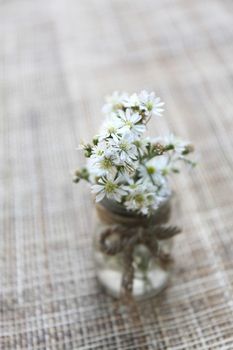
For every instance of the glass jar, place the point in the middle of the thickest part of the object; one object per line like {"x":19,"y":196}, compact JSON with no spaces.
{"x":125,"y":247}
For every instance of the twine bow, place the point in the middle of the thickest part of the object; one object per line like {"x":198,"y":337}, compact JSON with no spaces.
{"x":117,"y":239}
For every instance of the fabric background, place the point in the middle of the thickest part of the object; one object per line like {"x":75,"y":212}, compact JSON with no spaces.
{"x":58,"y":59}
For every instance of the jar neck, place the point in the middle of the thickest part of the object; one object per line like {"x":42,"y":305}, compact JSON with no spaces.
{"x":110,"y":213}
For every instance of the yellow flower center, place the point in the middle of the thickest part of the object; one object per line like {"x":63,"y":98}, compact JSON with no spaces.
{"x":123,"y":146}
{"x":151,"y":170}
{"x":129,"y":124}
{"x":149,"y":106}
{"x":111,"y":130}
{"x":139,"y":198}
{"x":110,"y":187}
{"x":106,"y":163}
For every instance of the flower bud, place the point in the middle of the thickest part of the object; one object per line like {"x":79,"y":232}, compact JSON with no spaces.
{"x":158,"y":148}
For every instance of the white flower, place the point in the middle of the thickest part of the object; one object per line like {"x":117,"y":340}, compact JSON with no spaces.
{"x":114,"y":102}
{"x":141,"y":145}
{"x":150,"y":103}
{"x":132,"y":101}
{"x":151,"y":174}
{"x":102,"y":160}
{"x":127,"y":170}
{"x":124,"y":150}
{"x":155,"y":168}
{"x":179,"y":145}
{"x":163,"y":190}
{"x":130,"y":123}
{"x":99,"y":150}
{"x":109,"y":187}
{"x":141,"y":198}
{"x":110,"y":127}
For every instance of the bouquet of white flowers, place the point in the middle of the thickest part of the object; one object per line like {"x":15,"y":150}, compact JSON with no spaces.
{"x":126,"y":166}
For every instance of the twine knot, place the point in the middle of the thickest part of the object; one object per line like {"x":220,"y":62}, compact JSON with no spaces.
{"x":123,"y":239}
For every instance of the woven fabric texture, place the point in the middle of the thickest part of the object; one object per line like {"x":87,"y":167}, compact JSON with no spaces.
{"x":58,"y":59}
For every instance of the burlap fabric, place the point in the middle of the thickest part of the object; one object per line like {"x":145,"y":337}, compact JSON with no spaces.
{"x":58,"y":58}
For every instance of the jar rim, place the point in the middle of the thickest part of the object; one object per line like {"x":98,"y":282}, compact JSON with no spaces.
{"x":119,"y":209}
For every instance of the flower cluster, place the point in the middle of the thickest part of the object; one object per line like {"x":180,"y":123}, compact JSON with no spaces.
{"x":126,"y":166}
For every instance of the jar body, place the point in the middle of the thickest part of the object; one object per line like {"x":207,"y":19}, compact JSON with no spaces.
{"x":151,"y":273}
